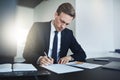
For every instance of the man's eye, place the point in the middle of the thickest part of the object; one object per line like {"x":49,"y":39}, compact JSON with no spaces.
{"x":62,"y":21}
{"x":67,"y":24}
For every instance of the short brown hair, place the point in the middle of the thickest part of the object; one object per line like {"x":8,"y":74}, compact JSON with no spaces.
{"x":67,"y":8}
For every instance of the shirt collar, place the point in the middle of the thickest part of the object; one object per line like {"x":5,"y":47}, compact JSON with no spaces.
{"x":52,"y":27}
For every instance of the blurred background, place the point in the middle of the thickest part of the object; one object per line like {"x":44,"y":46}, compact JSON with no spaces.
{"x":96,"y":25}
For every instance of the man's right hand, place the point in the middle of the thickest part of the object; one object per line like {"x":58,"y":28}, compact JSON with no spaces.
{"x":44,"y":61}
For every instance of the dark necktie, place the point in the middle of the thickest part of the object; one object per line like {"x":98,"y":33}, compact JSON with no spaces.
{"x":54,"y":49}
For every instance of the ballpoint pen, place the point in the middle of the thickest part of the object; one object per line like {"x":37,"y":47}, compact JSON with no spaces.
{"x":46,"y":54}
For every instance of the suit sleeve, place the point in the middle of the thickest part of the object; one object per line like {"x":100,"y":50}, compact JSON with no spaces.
{"x":78,"y":52}
{"x":30,"y":53}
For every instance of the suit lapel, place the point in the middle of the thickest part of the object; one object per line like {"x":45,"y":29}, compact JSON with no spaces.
{"x":63,"y":36}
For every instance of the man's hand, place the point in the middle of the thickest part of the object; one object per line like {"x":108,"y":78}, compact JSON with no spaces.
{"x":44,"y":61}
{"x":65,"y":60}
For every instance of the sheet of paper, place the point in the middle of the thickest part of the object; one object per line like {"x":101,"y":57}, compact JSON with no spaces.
{"x":23,"y":67}
{"x":62,"y":68}
{"x":87,"y":65}
{"x":5,"y":67}
{"x":73,"y":63}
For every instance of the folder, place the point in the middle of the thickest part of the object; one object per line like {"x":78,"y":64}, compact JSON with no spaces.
{"x":114,"y":65}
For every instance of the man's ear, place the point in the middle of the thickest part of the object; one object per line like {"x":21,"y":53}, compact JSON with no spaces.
{"x":56,"y":14}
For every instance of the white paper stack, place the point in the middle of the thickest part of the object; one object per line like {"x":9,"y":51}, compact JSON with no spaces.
{"x":6,"y":67}
{"x":23,"y":67}
{"x":84,"y":65}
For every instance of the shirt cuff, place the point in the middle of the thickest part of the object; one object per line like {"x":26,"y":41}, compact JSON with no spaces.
{"x":38,"y":61}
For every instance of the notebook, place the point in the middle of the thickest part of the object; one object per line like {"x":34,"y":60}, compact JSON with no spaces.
{"x":20,"y":69}
{"x":112,"y":65}
{"x":16,"y":67}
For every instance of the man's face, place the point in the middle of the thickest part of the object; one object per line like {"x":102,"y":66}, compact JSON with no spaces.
{"x":61,"y":21}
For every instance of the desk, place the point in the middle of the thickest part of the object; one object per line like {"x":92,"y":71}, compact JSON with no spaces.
{"x":93,"y":74}
{"x":87,"y":74}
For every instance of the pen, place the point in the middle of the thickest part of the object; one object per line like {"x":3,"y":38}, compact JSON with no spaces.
{"x":49,"y":60}
{"x":45,"y":54}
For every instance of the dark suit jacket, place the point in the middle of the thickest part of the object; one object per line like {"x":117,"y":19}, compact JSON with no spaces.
{"x":38,"y":42}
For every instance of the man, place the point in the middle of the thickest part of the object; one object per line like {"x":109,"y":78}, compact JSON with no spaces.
{"x":41,"y":47}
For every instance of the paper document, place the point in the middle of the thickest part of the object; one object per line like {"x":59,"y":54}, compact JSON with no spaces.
{"x":16,"y":67}
{"x":5,"y":67}
{"x":73,"y":63}
{"x":84,"y":65}
{"x":23,"y":67}
{"x":62,"y":68}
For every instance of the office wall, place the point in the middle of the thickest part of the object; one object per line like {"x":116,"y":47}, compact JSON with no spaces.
{"x":116,"y":25}
{"x":94,"y":26}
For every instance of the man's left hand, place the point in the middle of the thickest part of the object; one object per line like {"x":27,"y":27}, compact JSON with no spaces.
{"x":64,"y":60}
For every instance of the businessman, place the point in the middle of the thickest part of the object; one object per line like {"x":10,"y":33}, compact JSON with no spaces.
{"x":48,"y":42}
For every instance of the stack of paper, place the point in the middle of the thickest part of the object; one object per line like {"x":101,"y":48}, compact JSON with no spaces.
{"x":62,"y":68}
{"x":16,"y":67}
{"x":84,"y":65}
{"x":5,"y":67}
{"x":23,"y":67}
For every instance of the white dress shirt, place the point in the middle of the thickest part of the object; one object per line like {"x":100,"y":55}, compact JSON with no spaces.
{"x":52,"y":33}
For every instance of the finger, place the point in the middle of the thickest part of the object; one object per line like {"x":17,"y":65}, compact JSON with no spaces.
{"x":63,"y":61}
{"x":49,"y":60}
{"x":60,"y":61}
{"x":45,"y":61}
{"x":52,"y":60}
